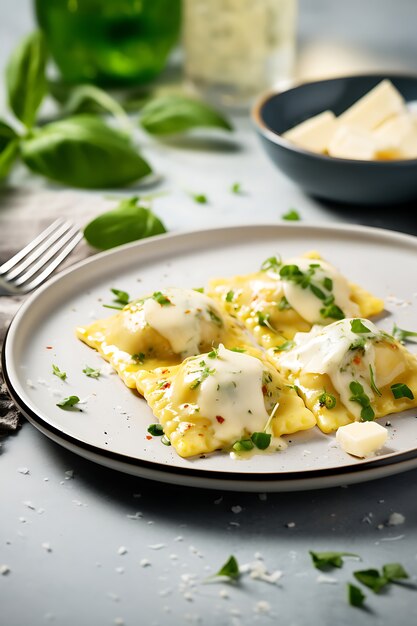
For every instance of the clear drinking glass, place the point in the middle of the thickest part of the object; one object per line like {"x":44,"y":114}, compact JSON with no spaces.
{"x":234,"y":49}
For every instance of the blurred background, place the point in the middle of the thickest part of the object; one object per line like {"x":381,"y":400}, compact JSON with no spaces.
{"x":254,"y":43}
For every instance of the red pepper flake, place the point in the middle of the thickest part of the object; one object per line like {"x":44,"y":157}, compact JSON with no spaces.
{"x":220,"y":419}
{"x":186,"y":406}
{"x":164,"y":372}
{"x":148,"y":437}
{"x":264,"y":390}
{"x":49,"y":347}
{"x":167,"y":385}
{"x":357,"y":360}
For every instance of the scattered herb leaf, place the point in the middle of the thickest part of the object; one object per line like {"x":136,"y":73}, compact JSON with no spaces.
{"x":230,"y":295}
{"x":358,"y":327}
{"x":91,"y":372}
{"x":261,"y":440}
{"x":243,"y":445}
{"x":327,"y":400}
{"x":287,"y":345}
{"x":215,"y":318}
{"x":291,"y":216}
{"x":138,"y":358}
{"x":401,"y":334}
{"x":122,"y":297}
{"x":394,"y":571}
{"x":229,"y":569}
{"x":359,"y":396}
{"x":69,"y":402}
{"x":159,"y":297}
{"x":57,"y":372}
{"x":327,"y":560}
{"x":236,"y":188}
{"x":371,"y":578}
{"x":165,"y":440}
{"x":355,"y":595}
{"x":283,"y":304}
{"x":272,"y":263}
{"x":200,"y":198}
{"x":213,"y":354}
{"x":373,"y":383}
{"x":156,"y":430}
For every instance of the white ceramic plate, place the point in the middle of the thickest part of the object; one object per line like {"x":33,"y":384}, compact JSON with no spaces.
{"x":112,"y":427}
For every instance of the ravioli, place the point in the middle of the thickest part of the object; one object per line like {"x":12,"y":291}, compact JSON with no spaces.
{"x":285,"y":298}
{"x":350,"y":371}
{"x":212,"y":400}
{"x":161,"y":329}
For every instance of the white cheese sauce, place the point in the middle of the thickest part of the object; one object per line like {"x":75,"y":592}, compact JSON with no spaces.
{"x":306,"y":303}
{"x":328,"y":350}
{"x":231,"y":395}
{"x":191,"y":318}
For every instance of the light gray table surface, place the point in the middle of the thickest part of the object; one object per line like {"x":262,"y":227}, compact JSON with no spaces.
{"x":63,"y":524}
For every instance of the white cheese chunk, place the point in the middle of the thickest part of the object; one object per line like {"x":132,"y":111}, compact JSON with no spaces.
{"x":382,"y":102}
{"x":361,"y":439}
{"x":396,"y":137}
{"x":350,"y":142}
{"x":314,"y":134}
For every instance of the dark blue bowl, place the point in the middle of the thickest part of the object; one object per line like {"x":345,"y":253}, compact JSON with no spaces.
{"x":330,"y":178}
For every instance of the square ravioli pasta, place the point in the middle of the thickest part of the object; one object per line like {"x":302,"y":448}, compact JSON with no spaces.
{"x":162,"y":329}
{"x":284,"y":298}
{"x":211,"y":401}
{"x":350,"y":371}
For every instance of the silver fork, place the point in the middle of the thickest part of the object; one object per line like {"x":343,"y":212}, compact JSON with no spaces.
{"x":32,"y":265}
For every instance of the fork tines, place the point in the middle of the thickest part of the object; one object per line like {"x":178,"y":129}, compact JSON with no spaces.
{"x":32,"y":265}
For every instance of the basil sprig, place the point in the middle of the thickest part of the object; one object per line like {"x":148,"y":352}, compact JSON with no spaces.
{"x":127,"y":222}
{"x":359,"y":396}
{"x":173,"y":114}
{"x":25,"y":78}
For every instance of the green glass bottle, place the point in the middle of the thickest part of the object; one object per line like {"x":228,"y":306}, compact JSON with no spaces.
{"x":109,"y":42}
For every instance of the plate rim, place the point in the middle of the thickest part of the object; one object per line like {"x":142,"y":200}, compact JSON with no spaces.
{"x":195,"y":474}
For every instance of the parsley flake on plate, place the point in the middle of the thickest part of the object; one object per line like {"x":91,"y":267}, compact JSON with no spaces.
{"x":57,"y":372}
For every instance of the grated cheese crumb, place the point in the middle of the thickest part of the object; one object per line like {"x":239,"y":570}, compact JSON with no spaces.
{"x":236,"y":509}
{"x":47,"y":546}
{"x":396,"y":519}
{"x":324,"y":579}
{"x":157,"y":546}
{"x":144,"y":563}
{"x":23,"y":470}
{"x":122,"y":550}
{"x":4,"y":570}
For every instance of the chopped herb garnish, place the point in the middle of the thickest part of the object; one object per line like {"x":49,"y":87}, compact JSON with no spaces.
{"x":213,"y":354}
{"x":57,"y":372}
{"x":91,"y":372}
{"x":371,"y":578}
{"x":156,"y":430}
{"x":358,"y":327}
{"x":359,"y":396}
{"x":287,"y":345}
{"x":68,"y":403}
{"x":332,"y":311}
{"x":243,"y":445}
{"x":394,"y":571}
{"x":215,"y":318}
{"x":328,"y":283}
{"x":401,"y":390}
{"x":373,"y":383}
{"x":355,"y":595}
{"x":199,"y":289}
{"x":327,"y":400}
{"x":200,"y":198}
{"x":283,"y":304}
{"x":122,"y":297}
{"x":401,"y":334}
{"x":230,"y":295}
{"x":292,"y":216}
{"x":165,"y":440}
{"x":138,"y":358}
{"x":230,"y":569}
{"x":159,"y":297}
{"x":238,"y":349}
{"x":205,"y":372}
{"x":236,"y":188}
{"x":261,"y":440}
{"x":318,"y":292}
{"x":263,"y":320}
{"x":272,"y":263}
{"x":328,"y":560}
{"x":113,"y":306}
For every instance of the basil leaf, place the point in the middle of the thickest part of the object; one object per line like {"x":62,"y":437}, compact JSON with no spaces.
{"x":371,"y":578}
{"x":326,"y":560}
{"x":394,"y":571}
{"x":172,"y":114}
{"x":127,"y":222}
{"x":83,"y":151}
{"x":355,"y":595}
{"x":9,"y":148}
{"x":25,"y":78}
{"x":92,"y":99}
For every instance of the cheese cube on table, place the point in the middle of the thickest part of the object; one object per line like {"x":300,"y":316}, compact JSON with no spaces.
{"x":361,"y":439}
{"x":350,"y":142}
{"x":314,"y":134}
{"x":382,"y":102}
